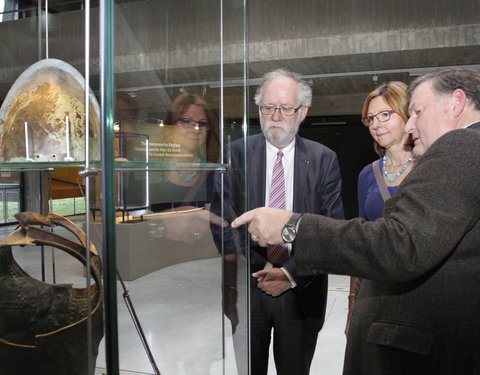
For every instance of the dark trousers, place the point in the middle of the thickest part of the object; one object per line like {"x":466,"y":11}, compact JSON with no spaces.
{"x":293,"y":339}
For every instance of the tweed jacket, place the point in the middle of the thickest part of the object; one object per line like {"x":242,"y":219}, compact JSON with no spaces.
{"x":418,"y":311}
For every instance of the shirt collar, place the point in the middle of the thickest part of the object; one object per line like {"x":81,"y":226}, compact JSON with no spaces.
{"x":466,"y":126}
{"x":271,"y":149}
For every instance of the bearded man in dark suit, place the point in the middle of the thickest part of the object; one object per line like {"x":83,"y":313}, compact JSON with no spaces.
{"x":282,"y":301}
{"x":418,"y":310}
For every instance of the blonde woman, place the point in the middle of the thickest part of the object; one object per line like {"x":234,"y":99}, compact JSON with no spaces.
{"x":385,"y":113}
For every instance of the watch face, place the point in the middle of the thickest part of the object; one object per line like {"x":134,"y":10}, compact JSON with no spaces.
{"x":289,"y":233}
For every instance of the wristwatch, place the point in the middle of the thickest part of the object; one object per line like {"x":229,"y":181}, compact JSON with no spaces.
{"x":289,"y":231}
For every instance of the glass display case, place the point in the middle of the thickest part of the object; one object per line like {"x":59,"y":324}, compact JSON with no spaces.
{"x":148,"y":79}
{"x":129,"y":215}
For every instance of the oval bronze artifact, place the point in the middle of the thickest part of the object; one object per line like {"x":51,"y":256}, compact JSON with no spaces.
{"x":43,"y":116}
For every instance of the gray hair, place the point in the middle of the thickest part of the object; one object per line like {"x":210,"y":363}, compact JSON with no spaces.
{"x":304,"y":90}
{"x":446,"y":80}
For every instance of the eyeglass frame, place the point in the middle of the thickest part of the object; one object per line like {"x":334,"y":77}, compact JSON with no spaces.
{"x":197,"y":125}
{"x":375,"y":116}
{"x":295,"y":110}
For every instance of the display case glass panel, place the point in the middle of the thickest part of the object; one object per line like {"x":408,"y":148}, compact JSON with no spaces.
{"x":163,"y":134}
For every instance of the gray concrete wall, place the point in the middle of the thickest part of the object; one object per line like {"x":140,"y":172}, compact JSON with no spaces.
{"x":173,"y":34}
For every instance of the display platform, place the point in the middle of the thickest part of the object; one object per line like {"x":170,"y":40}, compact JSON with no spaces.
{"x":155,"y":241}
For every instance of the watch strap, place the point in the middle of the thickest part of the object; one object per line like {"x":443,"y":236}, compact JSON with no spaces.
{"x":289,"y":230}
{"x":294,"y":219}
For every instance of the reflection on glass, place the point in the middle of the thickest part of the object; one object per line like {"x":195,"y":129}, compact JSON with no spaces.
{"x":185,"y":188}
{"x":191,"y":120}
{"x":174,"y":237}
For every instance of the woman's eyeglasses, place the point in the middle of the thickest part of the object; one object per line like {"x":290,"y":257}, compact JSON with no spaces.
{"x":381,"y":116}
{"x":188,"y":122}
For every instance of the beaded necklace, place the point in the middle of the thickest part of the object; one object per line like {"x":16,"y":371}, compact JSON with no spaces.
{"x":393,"y":176}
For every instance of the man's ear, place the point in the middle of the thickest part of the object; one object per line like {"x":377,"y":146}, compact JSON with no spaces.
{"x":459,"y":102}
{"x":304,"y":112}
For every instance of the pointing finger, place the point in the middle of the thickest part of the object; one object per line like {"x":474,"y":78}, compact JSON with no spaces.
{"x":243,"y":219}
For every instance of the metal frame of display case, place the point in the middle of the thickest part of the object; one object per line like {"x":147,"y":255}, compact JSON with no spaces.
{"x":107,"y":105}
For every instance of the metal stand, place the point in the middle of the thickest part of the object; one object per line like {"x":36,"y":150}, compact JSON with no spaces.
{"x":136,"y":322}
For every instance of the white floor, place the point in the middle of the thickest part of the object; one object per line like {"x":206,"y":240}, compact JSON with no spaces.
{"x":179,"y":308}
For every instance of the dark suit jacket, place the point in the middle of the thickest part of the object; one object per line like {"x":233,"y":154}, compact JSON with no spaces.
{"x":317,"y":188}
{"x":418,"y":311}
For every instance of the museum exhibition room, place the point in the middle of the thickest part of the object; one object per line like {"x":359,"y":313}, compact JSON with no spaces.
{"x":126,"y":131}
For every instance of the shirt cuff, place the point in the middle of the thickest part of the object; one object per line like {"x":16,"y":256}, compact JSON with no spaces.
{"x":293,"y":284}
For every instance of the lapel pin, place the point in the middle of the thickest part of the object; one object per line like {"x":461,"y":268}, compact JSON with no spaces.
{"x":306,"y":161}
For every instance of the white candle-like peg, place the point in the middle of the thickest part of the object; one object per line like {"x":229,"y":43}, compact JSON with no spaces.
{"x":27,"y":149}
{"x":67,"y":122}
{"x":147,"y":187}
{"x":67,"y":135}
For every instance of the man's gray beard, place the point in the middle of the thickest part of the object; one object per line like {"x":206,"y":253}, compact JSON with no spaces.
{"x":284,"y":139}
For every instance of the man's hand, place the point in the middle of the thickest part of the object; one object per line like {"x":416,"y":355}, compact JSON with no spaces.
{"x":266,"y":224}
{"x":274,"y":281}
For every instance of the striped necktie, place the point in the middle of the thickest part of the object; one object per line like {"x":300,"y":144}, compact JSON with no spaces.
{"x":277,"y":254}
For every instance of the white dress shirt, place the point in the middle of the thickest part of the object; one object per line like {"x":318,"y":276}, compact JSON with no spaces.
{"x":288,"y":166}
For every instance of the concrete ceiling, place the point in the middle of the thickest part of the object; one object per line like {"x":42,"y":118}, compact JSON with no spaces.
{"x":343,"y":47}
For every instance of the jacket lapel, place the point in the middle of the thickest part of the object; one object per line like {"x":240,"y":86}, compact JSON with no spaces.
{"x":301,"y":176}
{"x":257,"y":171}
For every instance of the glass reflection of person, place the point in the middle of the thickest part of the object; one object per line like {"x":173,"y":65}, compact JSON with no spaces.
{"x":185,"y":216}
{"x":385,"y":113}
{"x":183,"y":188}
{"x":199,"y":122}
{"x":190,"y":133}
{"x":193,"y":121}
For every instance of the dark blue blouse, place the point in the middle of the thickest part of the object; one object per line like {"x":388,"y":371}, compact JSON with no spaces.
{"x":370,"y":201}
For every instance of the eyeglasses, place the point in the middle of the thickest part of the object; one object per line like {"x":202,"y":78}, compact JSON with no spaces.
{"x":188,"y":122}
{"x":381,"y":116}
{"x":285,"y":111}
